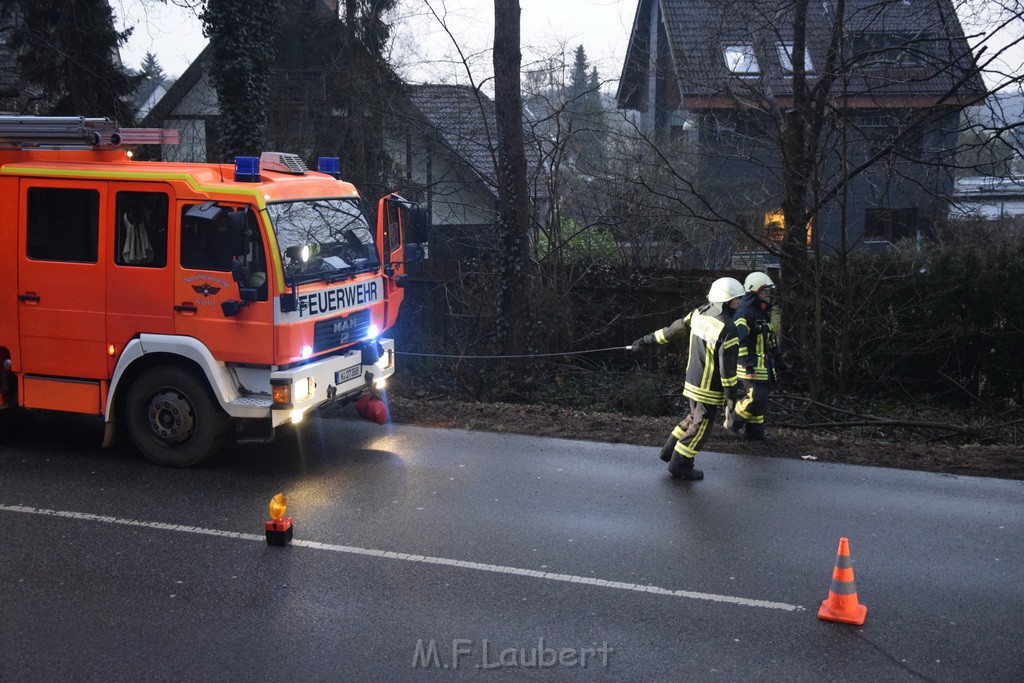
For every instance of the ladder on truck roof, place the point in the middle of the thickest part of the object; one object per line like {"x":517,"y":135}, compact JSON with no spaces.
{"x":77,"y":131}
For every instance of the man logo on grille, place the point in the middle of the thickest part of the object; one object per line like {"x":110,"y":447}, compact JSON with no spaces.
{"x":343,"y":326}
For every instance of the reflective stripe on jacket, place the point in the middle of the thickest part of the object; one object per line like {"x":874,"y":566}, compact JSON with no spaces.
{"x":757,"y":341}
{"x":711,"y":367}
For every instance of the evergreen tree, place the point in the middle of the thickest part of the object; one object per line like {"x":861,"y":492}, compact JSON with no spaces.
{"x":578,"y":80}
{"x":150,"y":69}
{"x":584,"y":114}
{"x":66,"y":56}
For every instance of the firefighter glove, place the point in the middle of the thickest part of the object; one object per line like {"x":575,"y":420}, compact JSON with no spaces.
{"x":642,"y":342}
{"x":734,"y":394}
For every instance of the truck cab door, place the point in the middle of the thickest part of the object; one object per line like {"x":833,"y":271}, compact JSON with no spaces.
{"x":402,"y":226}
{"x":205,"y":279}
{"x":389,"y":219}
{"x":62,"y":293}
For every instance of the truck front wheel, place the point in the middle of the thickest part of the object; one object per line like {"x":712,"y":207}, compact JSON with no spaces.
{"x":172,"y":418}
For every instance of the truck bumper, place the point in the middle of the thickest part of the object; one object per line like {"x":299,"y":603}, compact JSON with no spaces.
{"x":297,"y":391}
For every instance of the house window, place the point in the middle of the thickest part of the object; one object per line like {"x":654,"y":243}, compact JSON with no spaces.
{"x":890,"y":225}
{"x":769,"y":225}
{"x":740,"y":60}
{"x":886,"y":133}
{"x":890,"y":49}
{"x":775,"y":225}
{"x":786,"y":58}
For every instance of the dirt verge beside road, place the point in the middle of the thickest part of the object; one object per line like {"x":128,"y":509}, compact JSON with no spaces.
{"x":1001,"y":461}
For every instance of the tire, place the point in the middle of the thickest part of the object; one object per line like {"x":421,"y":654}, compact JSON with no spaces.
{"x":172,"y":418}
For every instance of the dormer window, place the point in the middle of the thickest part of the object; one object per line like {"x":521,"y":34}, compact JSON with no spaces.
{"x":786,"y":58}
{"x":740,"y":60}
{"x":890,"y":49}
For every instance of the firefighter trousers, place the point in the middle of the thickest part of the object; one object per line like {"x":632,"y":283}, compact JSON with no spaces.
{"x":750,"y":410}
{"x":690,"y":434}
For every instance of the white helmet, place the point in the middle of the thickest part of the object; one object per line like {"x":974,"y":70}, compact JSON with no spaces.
{"x":756,"y":280}
{"x":724,"y":289}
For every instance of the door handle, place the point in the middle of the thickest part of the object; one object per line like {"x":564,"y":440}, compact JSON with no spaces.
{"x":185,"y":308}
{"x":31,"y":298}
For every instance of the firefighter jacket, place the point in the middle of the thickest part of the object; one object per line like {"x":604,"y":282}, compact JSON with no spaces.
{"x":711,"y":367}
{"x":758,"y":345}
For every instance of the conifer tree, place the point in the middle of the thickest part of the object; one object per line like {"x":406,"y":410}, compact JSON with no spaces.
{"x":584,"y":114}
{"x":66,"y":56}
{"x":150,"y":69}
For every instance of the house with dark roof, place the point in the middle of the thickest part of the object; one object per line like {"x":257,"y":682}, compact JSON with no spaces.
{"x":886,"y":83}
{"x":449,"y":147}
{"x":190,"y":105}
{"x":440,"y":140}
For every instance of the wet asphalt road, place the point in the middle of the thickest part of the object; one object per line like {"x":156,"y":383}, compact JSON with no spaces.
{"x":428,"y":553}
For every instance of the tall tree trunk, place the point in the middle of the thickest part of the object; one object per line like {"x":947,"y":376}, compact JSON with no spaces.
{"x":798,"y":167}
{"x":242,"y":34}
{"x":513,"y":195}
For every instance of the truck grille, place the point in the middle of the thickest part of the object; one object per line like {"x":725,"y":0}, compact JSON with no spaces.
{"x":343,"y":329}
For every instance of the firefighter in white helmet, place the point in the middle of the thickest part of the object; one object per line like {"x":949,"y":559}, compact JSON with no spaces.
{"x":759,"y":357}
{"x":710,"y":371}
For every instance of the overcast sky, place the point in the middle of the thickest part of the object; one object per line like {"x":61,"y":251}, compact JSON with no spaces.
{"x":175,"y":36}
{"x":423,"y":52}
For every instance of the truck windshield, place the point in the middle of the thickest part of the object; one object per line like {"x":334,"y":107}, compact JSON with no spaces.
{"x":323,"y":239}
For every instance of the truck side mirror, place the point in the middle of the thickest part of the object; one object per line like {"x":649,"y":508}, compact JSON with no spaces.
{"x":416,"y":248}
{"x":232,"y":308}
{"x":237,"y":228}
{"x":420,"y":228}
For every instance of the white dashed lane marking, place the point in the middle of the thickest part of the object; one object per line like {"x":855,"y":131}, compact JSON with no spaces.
{"x":407,"y":557}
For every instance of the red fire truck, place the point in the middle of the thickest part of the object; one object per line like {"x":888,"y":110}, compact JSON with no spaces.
{"x":189,"y":303}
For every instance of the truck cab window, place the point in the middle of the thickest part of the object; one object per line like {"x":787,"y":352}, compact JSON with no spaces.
{"x":254,"y":258}
{"x":141,"y":229}
{"x":205,"y":245}
{"x":63,"y":224}
{"x":211,"y":245}
{"x":392,"y":229}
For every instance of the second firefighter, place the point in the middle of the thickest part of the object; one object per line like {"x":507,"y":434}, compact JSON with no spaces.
{"x":759,"y":357}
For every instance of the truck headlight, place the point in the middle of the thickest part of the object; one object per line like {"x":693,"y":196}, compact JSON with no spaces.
{"x":303,"y":389}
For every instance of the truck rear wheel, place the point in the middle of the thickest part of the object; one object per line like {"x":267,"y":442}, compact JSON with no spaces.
{"x":172,"y":418}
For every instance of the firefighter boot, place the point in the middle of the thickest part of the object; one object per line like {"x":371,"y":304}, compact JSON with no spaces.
{"x":668,"y":449}
{"x":682,"y":468}
{"x":754,"y":432}
{"x":733,"y":423}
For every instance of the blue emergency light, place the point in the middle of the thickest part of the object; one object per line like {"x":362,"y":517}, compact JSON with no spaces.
{"x":329,"y":165}
{"x":247,"y":169}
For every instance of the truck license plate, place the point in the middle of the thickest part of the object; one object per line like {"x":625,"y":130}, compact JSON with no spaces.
{"x":347,"y":374}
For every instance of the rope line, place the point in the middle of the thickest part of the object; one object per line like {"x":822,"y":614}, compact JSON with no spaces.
{"x":532,"y":355}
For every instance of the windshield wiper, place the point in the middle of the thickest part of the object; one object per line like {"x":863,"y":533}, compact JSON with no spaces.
{"x":348,"y":273}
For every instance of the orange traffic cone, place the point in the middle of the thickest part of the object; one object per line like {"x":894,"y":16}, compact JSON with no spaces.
{"x":842,"y":605}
